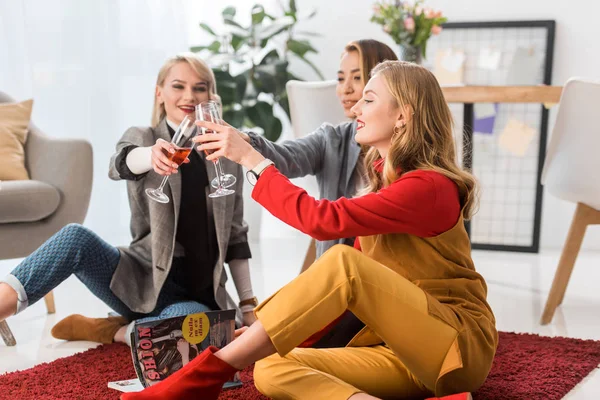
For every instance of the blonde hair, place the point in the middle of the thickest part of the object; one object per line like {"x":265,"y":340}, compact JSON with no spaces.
{"x":198,"y":65}
{"x":426,"y":141}
{"x":370,"y":53}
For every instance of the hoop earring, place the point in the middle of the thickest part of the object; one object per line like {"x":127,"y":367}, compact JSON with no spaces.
{"x":396,"y":132}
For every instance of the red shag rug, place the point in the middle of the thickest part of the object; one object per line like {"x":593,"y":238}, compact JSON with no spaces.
{"x":527,"y":366}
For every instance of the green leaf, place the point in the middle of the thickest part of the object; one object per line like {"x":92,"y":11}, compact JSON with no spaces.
{"x":274,"y":132}
{"x":197,"y":49}
{"x":300,"y":47}
{"x":261,"y":114}
{"x":234,"y":117}
{"x":270,"y":57}
{"x":241,"y":83}
{"x":214,"y":46}
{"x":237,"y":42}
{"x":275,"y":28}
{"x":284,"y":102}
{"x":228,"y":12}
{"x":264,"y":80}
{"x":207,"y":29}
{"x":228,"y":21}
{"x":258,"y":14}
{"x":271,"y":77}
{"x":226,"y":87}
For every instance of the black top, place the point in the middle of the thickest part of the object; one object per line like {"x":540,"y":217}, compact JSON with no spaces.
{"x":195,"y":230}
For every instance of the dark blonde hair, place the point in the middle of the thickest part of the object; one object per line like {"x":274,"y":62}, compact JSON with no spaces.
{"x":370,"y":53}
{"x":198,"y":65}
{"x":426,"y":142}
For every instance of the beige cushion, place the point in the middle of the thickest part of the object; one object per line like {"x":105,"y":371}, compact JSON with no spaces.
{"x":27,"y":201}
{"x":14,"y":120}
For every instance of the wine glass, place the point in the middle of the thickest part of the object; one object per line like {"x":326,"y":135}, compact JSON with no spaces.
{"x":209,"y":111}
{"x":182,"y":141}
{"x":227,"y":180}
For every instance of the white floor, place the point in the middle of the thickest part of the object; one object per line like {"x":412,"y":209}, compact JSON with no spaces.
{"x":518,"y":285}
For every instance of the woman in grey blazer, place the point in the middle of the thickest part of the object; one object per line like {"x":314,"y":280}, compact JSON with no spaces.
{"x":175,"y":262}
{"x":330,"y":153}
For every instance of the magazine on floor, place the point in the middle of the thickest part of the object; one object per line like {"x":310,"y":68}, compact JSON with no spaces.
{"x":161,"y":347}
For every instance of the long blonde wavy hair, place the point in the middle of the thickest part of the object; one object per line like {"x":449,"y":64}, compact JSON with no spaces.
{"x":199,"y":66}
{"x":426,"y":141}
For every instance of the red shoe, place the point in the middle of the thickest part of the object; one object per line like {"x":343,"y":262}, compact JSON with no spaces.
{"x":459,"y":396}
{"x":201,"y":378}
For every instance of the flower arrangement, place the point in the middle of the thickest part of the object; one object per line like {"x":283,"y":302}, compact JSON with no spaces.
{"x":409,"y":24}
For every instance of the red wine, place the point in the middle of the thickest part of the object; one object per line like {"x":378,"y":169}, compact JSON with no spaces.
{"x":179,"y":156}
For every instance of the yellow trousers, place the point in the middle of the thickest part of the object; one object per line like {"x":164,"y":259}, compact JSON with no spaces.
{"x":410,"y":352}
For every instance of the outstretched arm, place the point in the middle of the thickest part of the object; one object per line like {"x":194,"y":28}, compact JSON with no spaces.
{"x":422,"y":203}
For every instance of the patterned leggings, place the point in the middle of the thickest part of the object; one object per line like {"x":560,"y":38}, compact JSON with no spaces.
{"x":77,"y":250}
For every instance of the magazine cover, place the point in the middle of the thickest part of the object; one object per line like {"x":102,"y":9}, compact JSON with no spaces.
{"x":161,"y":347}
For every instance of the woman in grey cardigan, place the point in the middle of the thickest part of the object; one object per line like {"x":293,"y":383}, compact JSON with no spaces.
{"x":175,"y":262}
{"x":330,"y":153}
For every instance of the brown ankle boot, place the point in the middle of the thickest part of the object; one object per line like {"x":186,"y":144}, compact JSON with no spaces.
{"x":78,"y":327}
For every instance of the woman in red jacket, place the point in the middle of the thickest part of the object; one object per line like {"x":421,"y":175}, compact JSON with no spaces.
{"x":410,"y":279}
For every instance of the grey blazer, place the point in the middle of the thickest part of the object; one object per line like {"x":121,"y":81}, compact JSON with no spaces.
{"x":145,"y":263}
{"x":330,"y":153}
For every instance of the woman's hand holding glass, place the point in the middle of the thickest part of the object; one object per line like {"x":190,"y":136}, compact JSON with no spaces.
{"x":161,"y":164}
{"x":176,"y":153}
{"x":227,"y":142}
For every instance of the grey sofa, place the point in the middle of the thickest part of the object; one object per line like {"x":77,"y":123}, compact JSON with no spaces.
{"x":57,"y":194}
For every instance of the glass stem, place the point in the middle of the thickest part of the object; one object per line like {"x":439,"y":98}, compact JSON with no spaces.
{"x":162,"y":184}
{"x":220,"y":168}
{"x":216,"y":164}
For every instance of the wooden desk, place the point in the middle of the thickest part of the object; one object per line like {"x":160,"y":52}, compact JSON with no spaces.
{"x":469,"y":95}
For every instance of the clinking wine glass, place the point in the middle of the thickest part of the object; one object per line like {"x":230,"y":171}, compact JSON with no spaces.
{"x":227,"y":180}
{"x":209,"y":111}
{"x":182,"y":141}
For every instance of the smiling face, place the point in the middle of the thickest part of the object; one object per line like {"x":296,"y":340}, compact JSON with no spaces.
{"x":350,"y":82}
{"x":181,"y":91}
{"x":377,"y":114}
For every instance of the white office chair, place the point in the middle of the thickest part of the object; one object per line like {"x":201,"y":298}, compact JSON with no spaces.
{"x":312,"y":104}
{"x":571,"y":162}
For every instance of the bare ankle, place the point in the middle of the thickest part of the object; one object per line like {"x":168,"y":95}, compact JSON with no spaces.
{"x":8,"y":301}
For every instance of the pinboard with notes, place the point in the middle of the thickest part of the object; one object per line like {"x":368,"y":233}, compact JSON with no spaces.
{"x":509,"y":140}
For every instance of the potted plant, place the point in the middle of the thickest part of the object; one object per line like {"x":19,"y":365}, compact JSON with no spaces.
{"x":409,"y":24}
{"x":251,"y":65}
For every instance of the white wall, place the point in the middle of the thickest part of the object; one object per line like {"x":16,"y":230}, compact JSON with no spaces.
{"x":576,"y":54}
{"x":91,"y":67}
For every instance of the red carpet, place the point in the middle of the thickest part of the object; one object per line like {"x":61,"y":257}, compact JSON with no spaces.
{"x":526,"y":367}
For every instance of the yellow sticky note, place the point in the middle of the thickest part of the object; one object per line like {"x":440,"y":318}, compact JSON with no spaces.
{"x":516,"y":137}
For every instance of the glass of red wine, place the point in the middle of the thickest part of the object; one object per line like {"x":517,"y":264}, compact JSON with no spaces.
{"x":209,"y":111}
{"x":182,"y":142}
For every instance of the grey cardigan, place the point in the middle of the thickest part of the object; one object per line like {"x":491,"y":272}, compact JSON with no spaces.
{"x":330,"y":153}
{"x":145,"y":263}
